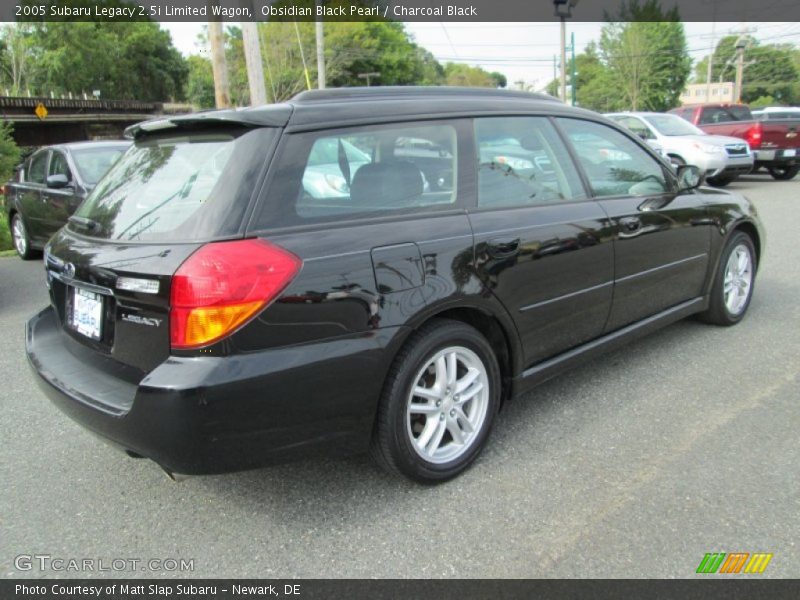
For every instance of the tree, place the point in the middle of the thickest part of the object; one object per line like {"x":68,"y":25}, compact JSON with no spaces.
{"x":466,"y":75}
{"x":351,"y":48}
{"x":123,"y":60}
{"x":645,"y":52}
{"x":9,"y":157}
{"x":200,"y":83}
{"x":15,"y":58}
{"x":770,"y":70}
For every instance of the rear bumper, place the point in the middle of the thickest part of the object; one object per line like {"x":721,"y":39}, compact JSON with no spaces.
{"x":203,"y":415}
{"x":777,"y":158}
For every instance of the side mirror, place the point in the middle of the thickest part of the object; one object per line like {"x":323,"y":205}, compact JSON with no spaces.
{"x":57,"y":181}
{"x":689,"y":177}
{"x":644,"y":135}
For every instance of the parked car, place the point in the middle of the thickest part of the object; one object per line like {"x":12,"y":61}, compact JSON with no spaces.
{"x":49,"y":186}
{"x":771,"y":113}
{"x":775,"y":143}
{"x":208,"y":314}
{"x":721,"y":158}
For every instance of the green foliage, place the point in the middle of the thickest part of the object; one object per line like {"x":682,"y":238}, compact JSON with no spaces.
{"x":9,"y":157}
{"x":351,"y":48}
{"x":124,"y":60}
{"x":9,"y":152}
{"x":763,"y":101}
{"x":769,"y":70}
{"x":466,"y":75}
{"x":200,"y":83}
{"x":641,"y":62}
{"x":646,"y":55}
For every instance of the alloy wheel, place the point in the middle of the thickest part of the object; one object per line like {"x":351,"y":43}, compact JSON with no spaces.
{"x":447,"y":405}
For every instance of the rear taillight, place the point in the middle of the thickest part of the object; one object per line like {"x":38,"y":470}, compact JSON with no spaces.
{"x":754,"y":135}
{"x":222,"y":286}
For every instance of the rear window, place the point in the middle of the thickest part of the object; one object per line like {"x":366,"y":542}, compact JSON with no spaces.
{"x":93,"y":163}
{"x":365,"y":171}
{"x":178,"y":186}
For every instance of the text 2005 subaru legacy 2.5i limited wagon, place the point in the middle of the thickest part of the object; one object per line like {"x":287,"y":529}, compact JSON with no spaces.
{"x":369,"y":268}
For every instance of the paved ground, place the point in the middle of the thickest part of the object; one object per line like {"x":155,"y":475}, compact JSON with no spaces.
{"x":632,"y":466}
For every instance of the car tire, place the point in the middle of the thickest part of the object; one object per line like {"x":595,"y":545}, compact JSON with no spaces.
{"x":20,"y":238}
{"x":733,"y":283}
{"x":784,"y":173}
{"x":426,"y":428}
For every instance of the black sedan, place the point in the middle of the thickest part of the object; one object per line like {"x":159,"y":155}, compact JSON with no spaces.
{"x":50,"y":185}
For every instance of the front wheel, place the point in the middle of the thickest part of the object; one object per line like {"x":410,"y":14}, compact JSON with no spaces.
{"x":438,"y":404}
{"x":733,"y":282}
{"x":19,"y":234}
{"x":784,"y":173}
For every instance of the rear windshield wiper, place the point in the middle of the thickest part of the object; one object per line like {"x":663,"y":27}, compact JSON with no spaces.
{"x":89,"y":224}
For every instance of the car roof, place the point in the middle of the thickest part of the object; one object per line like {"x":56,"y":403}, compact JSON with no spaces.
{"x":349,"y":106}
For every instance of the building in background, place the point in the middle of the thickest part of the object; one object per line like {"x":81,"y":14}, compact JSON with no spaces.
{"x":695,"y":93}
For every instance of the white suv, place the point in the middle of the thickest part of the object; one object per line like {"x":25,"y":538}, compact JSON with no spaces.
{"x":721,"y":158}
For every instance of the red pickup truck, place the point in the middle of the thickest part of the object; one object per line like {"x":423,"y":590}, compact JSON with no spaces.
{"x":775,"y":143}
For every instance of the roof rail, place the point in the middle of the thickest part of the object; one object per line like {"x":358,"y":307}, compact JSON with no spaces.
{"x":394,"y":91}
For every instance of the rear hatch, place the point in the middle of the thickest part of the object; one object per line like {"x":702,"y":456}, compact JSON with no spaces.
{"x":110,"y":269}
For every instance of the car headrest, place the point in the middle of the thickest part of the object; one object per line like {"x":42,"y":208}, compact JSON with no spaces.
{"x":386,"y":183}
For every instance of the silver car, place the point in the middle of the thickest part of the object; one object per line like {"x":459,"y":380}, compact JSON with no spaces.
{"x":720,"y":157}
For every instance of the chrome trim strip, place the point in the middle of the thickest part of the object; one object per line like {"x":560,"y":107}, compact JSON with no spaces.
{"x":661,"y":267}
{"x":565,"y":296}
{"x":90,"y":287}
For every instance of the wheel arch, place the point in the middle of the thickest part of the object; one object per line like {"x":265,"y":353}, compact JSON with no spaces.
{"x":751,"y":230}
{"x":498,"y":331}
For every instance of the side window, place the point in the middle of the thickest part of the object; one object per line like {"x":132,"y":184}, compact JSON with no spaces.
{"x":59,"y":166}
{"x":614,"y":164}
{"x":639,"y":128}
{"x":368,"y":170}
{"x":712,"y":115}
{"x":37,"y":167}
{"x":522,"y":162}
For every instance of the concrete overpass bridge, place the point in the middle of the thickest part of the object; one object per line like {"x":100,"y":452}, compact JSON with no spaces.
{"x":75,"y":119}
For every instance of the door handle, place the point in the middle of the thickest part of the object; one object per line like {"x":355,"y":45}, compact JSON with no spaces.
{"x":502,"y":247}
{"x":630,"y":224}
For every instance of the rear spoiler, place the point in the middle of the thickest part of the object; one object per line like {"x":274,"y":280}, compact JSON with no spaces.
{"x":275,"y":115}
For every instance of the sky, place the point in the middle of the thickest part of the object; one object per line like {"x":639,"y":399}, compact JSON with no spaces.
{"x":525,"y":51}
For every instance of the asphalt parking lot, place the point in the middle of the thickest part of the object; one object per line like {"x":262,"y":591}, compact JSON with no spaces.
{"x":634,"y":465}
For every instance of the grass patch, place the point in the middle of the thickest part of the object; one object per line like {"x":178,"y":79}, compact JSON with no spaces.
{"x":5,"y":235}
{"x":4,"y":253}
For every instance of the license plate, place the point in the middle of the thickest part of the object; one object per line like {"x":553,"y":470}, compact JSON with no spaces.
{"x":87,"y":313}
{"x":790,"y":152}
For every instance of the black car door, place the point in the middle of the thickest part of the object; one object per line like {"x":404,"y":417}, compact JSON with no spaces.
{"x":661,"y":236}
{"x":542,"y":246}
{"x":60,"y":202}
{"x":29,"y":195}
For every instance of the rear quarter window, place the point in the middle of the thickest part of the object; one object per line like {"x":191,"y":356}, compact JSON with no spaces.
{"x":365,"y":171}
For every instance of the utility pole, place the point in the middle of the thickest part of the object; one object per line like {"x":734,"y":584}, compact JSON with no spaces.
{"x":320,"y":53}
{"x":563,"y":87}
{"x":573,"y":84}
{"x":218,"y":66}
{"x":737,"y":90}
{"x":255,"y":67}
{"x":563,"y":12}
{"x":711,"y":56}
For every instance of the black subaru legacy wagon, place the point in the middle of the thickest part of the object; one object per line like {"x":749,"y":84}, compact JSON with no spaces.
{"x":369,"y":269}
